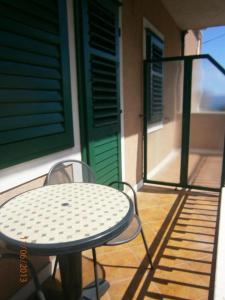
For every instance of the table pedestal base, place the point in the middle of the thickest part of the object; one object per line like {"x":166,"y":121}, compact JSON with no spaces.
{"x":71,"y":277}
{"x":89,"y":292}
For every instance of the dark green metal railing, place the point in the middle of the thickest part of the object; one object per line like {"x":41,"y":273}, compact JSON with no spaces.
{"x":187,"y":90}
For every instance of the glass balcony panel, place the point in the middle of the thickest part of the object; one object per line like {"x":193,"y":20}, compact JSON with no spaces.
{"x":164,"y":137}
{"x":207,"y":125}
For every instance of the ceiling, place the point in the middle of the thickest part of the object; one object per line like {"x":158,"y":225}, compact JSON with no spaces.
{"x":196,"y":14}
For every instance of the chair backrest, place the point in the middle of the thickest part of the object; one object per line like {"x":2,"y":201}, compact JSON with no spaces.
{"x":129,"y":191}
{"x":69,"y":171}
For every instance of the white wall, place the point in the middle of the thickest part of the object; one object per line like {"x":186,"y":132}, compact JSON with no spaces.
{"x":24,"y":172}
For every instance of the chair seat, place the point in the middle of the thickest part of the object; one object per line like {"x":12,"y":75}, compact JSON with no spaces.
{"x":128,"y":234}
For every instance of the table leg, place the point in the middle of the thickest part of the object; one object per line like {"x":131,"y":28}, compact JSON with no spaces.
{"x":71,"y":275}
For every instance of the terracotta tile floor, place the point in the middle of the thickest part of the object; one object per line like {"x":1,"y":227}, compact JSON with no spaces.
{"x":180,"y":227}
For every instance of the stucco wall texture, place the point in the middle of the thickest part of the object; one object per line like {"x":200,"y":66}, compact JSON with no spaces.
{"x":193,"y":42}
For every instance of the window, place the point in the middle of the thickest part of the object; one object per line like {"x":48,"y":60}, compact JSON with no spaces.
{"x":154,"y":78}
{"x":35,"y":100}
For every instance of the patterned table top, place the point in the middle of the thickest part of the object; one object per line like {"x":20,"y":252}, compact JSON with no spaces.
{"x":71,"y":216}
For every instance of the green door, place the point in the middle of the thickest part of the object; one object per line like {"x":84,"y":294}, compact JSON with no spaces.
{"x":97,"y":35}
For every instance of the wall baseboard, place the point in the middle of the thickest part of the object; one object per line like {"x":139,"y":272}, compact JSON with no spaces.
{"x":171,"y":156}
{"x":136,"y":188}
{"x":205,"y":151}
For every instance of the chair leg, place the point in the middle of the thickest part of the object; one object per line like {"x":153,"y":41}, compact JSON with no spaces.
{"x":96,"y":273}
{"x":146,"y":248}
{"x":55,"y":267}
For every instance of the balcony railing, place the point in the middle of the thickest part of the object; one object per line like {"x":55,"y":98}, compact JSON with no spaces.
{"x":186,"y":146}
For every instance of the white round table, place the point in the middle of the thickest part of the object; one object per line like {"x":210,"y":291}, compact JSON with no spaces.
{"x":64,"y":220}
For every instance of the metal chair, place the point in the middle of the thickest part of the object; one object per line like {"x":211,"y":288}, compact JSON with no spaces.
{"x":133,"y":230}
{"x":69,"y":171}
{"x":135,"y":227}
{"x":38,"y":290}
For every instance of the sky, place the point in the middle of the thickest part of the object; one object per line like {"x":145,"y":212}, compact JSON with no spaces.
{"x":213,"y":43}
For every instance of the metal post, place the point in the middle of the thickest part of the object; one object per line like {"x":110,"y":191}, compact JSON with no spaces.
{"x":186,"y":121}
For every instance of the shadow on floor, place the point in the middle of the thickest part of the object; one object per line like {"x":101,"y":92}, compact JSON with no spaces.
{"x":184,"y":262}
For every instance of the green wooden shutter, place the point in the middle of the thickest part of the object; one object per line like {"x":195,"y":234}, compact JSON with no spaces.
{"x":101,"y":87}
{"x":35,"y":101}
{"x":154,"y":84}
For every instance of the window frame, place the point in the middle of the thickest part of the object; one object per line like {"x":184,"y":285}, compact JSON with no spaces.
{"x":147,"y":26}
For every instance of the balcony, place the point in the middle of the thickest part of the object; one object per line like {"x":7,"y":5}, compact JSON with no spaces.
{"x":184,"y":165}
{"x":180,"y":223}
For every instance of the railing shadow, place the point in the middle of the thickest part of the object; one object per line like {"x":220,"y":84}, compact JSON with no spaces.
{"x":184,"y":258}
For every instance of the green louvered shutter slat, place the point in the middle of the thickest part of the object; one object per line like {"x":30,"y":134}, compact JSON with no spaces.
{"x":100,"y":31}
{"x":154,"y":85}
{"x":35,"y":101}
